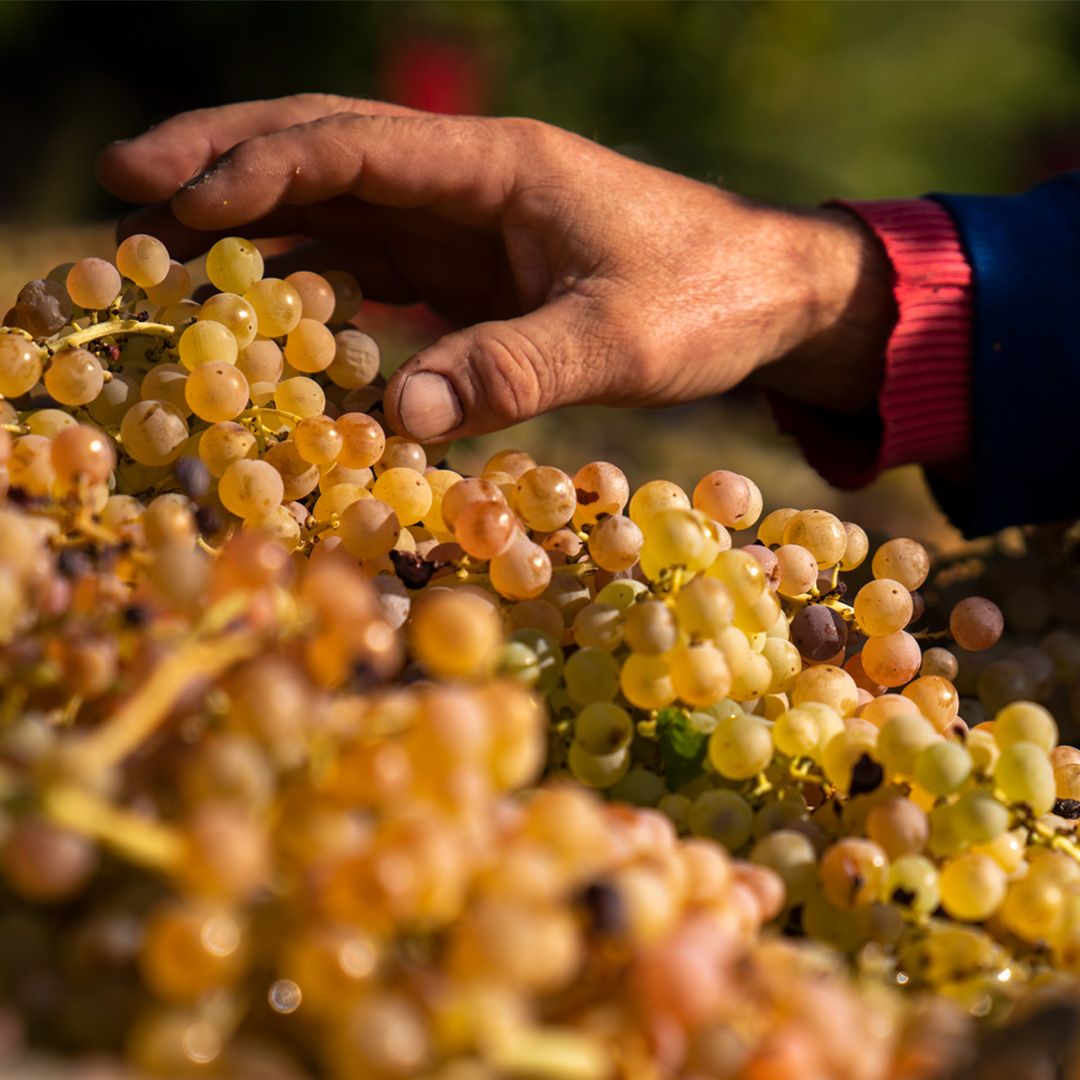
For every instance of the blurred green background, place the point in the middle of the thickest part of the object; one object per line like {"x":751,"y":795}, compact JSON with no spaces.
{"x":785,"y":101}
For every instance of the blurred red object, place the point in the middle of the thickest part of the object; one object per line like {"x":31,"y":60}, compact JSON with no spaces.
{"x":435,"y":74}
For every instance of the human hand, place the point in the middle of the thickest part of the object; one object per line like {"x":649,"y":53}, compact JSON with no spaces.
{"x":576,"y":275}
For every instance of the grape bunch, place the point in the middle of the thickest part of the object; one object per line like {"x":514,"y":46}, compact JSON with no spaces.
{"x":319,"y":758}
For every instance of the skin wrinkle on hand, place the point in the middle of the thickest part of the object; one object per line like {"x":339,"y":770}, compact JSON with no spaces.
{"x":669,"y":289}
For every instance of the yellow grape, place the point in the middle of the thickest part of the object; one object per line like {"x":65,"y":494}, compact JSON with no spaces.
{"x":233,"y":265}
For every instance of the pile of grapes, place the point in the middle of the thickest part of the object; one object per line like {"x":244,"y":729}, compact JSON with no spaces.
{"x":319,"y":759}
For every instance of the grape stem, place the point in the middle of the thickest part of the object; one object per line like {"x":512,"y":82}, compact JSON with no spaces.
{"x":107,"y":329}
{"x":137,"y":838}
{"x":148,"y":707}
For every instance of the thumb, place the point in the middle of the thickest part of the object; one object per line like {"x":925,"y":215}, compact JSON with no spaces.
{"x":495,"y":374}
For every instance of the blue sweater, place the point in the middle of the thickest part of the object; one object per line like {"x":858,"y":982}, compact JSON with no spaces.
{"x":1025,"y":256}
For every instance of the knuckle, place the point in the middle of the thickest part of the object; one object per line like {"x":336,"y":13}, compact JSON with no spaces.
{"x":315,"y":101}
{"x":514,"y":376}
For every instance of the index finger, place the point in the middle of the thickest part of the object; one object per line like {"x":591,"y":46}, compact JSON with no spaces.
{"x":152,"y":166}
{"x":462,"y":167}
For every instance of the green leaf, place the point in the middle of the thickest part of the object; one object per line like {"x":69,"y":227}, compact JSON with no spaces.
{"x":682,"y":747}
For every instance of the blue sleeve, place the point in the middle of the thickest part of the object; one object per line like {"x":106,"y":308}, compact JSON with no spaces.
{"x":1025,"y":256}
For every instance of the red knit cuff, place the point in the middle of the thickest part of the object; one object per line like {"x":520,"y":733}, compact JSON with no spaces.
{"x":925,"y":397}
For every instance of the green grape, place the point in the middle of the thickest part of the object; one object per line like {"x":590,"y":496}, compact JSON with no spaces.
{"x":164,"y":382}
{"x":786,"y":813}
{"x":310,"y":346}
{"x":601,"y":488}
{"x":515,"y":660}
{"x":318,"y":440}
{"x":622,"y":593}
{"x":901,"y":740}
{"x":1007,"y":849}
{"x":172,"y":288}
{"x":406,"y":491}
{"x":902,"y":560}
{"x":796,"y":733}
{"x":639,"y":787}
{"x":942,"y":767}
{"x":362,"y":441}
{"x":356,"y":360}
{"x":650,"y":628}
{"x":704,"y":608}
{"x":1035,"y":908}
{"x":20,"y":365}
{"x":591,"y":675}
{"x":402,"y":453}
{"x":753,"y":681}
{"x":300,"y":395}
{"x":276,"y":304}
{"x":857,"y":547}
{"x":522,"y":571}
{"x":699,"y":674}
{"x":316,"y":294}
{"x":30,"y":465}
{"x":798,"y":570}
{"x":741,"y":747}
{"x":820,"y":533}
{"x":650,"y":499}
{"x":723,"y":816}
{"x":251,"y":489}
{"x":1025,"y":721}
{"x":912,"y":883}
{"x":615,"y":543}
{"x":599,"y":626}
{"x":845,"y":749}
{"x":233,"y":265}
{"x":216,"y":391}
{"x":853,"y":872}
{"x":299,"y":477}
{"x":646,"y":681}
{"x":1024,"y":775}
{"x":336,"y":499}
{"x":597,"y":770}
{"x":262,"y":361}
{"x":984,"y":751}
{"x":972,"y":887}
{"x":206,"y":342}
{"x":144,"y":259}
{"x":945,"y":838}
{"x":882,"y":607}
{"x":936,"y":698}
{"x":153,"y":433}
{"x":675,"y":538}
{"x":978,"y":817}
{"x":793,"y":856}
{"x":603,"y":728}
{"x":729,"y":498}
{"x":75,"y":377}
{"x":549,"y":655}
{"x":899,"y":826}
{"x":545,"y":498}
{"x":838,"y":927}
{"x":93,"y":284}
{"x":741,"y":574}
{"x":784,"y":664}
{"x":237,"y":316}
{"x":369,"y":528}
{"x":83,"y":451}
{"x":770,"y":531}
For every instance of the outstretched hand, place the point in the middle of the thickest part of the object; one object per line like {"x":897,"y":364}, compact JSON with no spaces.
{"x":576,"y":275}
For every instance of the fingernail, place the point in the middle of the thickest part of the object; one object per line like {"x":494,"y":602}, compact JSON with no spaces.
{"x":429,"y":406}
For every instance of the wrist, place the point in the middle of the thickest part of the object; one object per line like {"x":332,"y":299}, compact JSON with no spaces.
{"x":841,"y":314}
